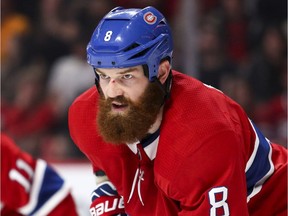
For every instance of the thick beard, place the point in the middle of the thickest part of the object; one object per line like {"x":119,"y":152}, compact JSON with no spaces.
{"x":133,"y":125}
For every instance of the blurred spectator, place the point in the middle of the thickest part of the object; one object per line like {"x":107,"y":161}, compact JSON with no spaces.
{"x":63,"y":22}
{"x":15,"y":26}
{"x":268,"y":65}
{"x":213,"y":61}
{"x":59,"y":28}
{"x":69,"y":76}
{"x":28,"y":115}
{"x":206,"y":6}
{"x":238,"y":88}
{"x":233,"y":23}
{"x":271,"y":12}
{"x":168,"y":7}
{"x":57,"y":147}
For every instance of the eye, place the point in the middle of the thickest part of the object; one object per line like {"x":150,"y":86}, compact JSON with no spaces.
{"x":127,"y":76}
{"x":103,"y":76}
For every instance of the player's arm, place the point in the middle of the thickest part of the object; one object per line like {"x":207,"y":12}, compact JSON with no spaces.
{"x":30,"y":186}
{"x":211,"y":181}
{"x":105,"y":199}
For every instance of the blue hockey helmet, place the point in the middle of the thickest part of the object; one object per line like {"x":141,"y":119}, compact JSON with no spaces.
{"x":131,"y":37}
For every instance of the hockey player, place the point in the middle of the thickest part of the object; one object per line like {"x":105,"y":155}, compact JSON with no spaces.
{"x":31,"y":187}
{"x":163,"y":143}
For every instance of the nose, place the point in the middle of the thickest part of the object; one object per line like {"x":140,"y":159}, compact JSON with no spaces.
{"x":114,"y":89}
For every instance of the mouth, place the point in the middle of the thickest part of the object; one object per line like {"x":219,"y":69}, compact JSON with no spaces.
{"x":118,"y":107}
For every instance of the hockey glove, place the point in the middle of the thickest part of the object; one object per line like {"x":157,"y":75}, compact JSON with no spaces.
{"x":106,"y":201}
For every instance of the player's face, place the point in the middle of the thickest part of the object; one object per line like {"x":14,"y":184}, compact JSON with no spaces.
{"x":129,"y":83}
{"x":128,"y":110}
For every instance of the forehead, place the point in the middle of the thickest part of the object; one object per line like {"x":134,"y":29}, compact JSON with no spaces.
{"x":137,"y":69}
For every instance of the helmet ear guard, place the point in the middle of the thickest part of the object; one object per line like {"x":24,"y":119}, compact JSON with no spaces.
{"x":166,"y":86}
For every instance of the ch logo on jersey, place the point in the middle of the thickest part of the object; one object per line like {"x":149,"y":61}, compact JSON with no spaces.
{"x":150,"y":18}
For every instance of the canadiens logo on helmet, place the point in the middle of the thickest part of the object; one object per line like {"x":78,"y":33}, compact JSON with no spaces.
{"x":150,"y":18}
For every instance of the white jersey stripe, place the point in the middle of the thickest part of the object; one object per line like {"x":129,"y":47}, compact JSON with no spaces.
{"x":259,"y":166}
{"x":258,"y":185}
{"x":256,"y":145}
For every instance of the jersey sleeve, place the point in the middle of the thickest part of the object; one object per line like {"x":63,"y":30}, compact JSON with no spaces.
{"x":30,"y":186}
{"x":210,"y":181}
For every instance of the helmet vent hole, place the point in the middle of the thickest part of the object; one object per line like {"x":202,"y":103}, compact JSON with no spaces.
{"x":162,"y":23}
{"x":99,"y":62}
{"x":113,"y":63}
{"x":140,"y":54}
{"x":134,"y":45}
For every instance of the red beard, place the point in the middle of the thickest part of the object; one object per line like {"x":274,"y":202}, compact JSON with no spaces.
{"x":135,"y":123}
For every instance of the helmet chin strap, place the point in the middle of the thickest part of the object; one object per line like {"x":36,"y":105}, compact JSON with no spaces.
{"x":97,"y":84}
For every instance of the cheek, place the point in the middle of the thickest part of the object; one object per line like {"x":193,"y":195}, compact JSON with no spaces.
{"x":102,"y":90}
{"x":135,"y":94}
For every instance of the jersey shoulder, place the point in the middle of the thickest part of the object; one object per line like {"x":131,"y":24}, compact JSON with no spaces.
{"x":82,"y":112}
{"x":88,"y":96}
{"x":196,"y":118}
{"x":196,"y":110}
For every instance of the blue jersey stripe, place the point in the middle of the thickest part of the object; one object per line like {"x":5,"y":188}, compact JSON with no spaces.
{"x":261,"y":164}
{"x":51,"y":184}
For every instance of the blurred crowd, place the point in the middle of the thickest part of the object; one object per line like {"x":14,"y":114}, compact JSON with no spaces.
{"x":237,"y":46}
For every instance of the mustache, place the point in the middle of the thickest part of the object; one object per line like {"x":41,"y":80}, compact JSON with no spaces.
{"x":119,"y":99}
{"x":108,"y":102}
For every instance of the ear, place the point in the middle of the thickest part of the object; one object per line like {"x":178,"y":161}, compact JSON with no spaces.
{"x":163,"y":71}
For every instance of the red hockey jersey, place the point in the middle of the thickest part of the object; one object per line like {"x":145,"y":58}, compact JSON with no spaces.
{"x":30,"y":186}
{"x":209,"y":158}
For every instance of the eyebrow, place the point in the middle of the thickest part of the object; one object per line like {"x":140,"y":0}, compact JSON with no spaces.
{"x":128,"y":70}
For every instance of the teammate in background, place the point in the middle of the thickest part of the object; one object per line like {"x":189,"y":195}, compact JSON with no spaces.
{"x":164,"y":143}
{"x":31,"y":187}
